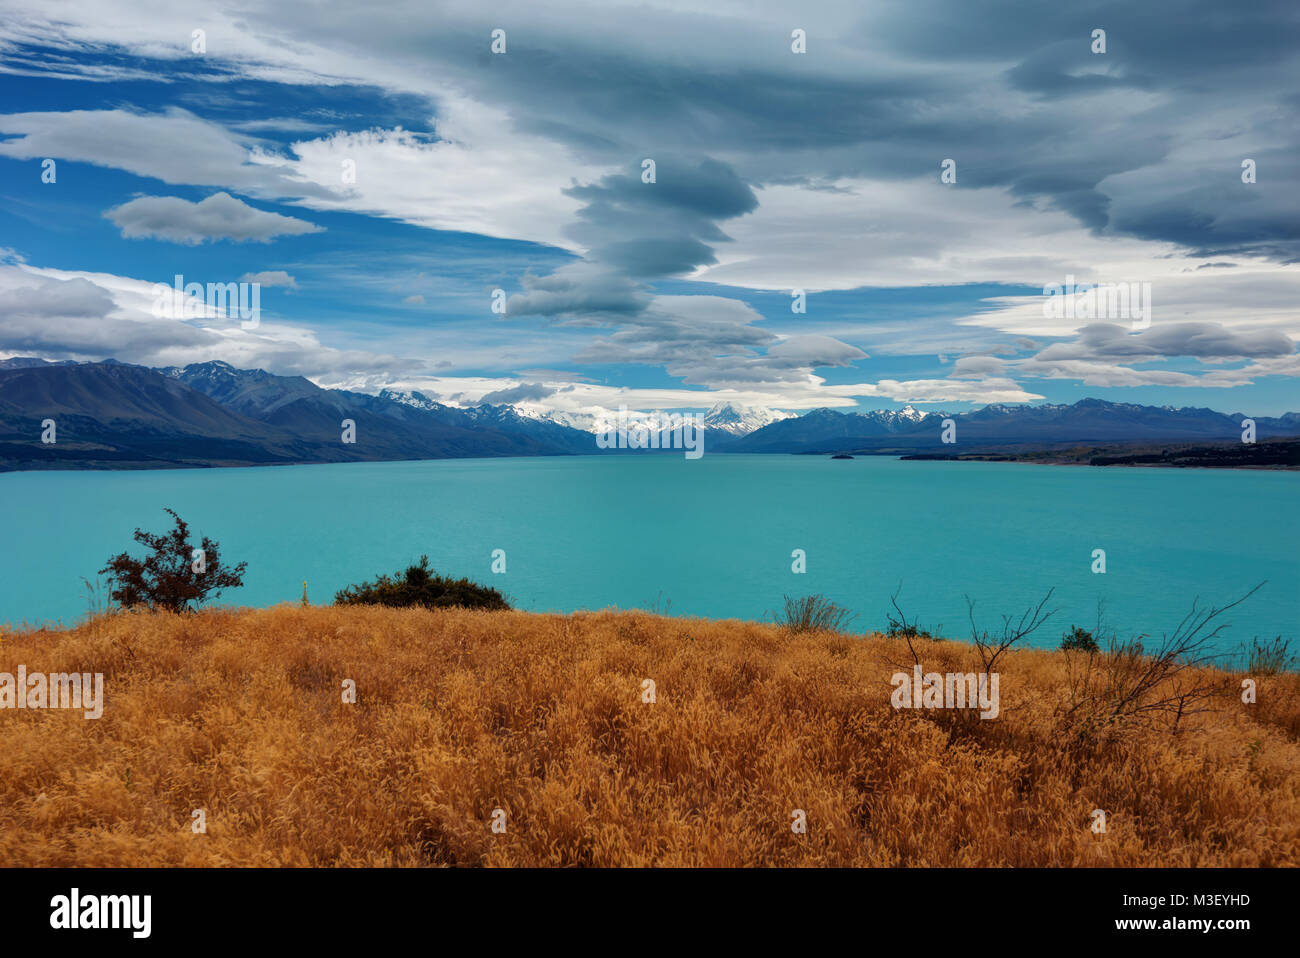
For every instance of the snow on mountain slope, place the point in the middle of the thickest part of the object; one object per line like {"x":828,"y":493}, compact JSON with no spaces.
{"x":730,"y":418}
{"x":737,"y":421}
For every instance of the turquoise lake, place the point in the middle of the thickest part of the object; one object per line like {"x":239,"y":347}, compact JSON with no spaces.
{"x":713,"y":536}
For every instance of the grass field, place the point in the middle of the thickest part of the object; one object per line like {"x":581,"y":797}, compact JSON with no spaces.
{"x":460,"y":713}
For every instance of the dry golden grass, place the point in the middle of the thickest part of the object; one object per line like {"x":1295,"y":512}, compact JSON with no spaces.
{"x":460,"y":712}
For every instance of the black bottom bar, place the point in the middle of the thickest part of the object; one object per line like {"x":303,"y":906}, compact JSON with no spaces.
{"x":947,"y":907}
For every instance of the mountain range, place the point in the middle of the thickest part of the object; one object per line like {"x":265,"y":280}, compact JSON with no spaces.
{"x":1086,"y":421}
{"x":118,"y":416}
{"x":112,"y":415}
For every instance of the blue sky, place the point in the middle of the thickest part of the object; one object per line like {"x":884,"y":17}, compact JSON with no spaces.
{"x":775,"y":170}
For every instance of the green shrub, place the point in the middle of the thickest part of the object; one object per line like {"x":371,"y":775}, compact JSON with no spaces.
{"x":906,"y":630}
{"x":899,"y":627}
{"x":421,"y":586}
{"x":1079,"y":640}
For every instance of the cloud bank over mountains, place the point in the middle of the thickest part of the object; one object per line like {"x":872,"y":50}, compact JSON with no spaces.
{"x":773,"y":171}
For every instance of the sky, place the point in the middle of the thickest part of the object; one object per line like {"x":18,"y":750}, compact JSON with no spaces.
{"x":857,"y":205}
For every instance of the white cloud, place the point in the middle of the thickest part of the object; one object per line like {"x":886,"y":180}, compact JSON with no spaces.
{"x":63,"y":314}
{"x":481,"y":175}
{"x":917,"y":233}
{"x":1249,"y":296}
{"x":981,"y":391}
{"x":274,"y":277}
{"x":219,"y":217}
{"x":174,"y":146}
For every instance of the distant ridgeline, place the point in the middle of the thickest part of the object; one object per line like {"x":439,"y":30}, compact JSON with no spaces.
{"x":1010,"y":429}
{"x":1274,"y":454}
{"x":116,"y":416}
{"x":111,"y":415}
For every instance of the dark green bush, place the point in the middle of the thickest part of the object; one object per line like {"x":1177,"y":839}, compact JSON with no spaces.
{"x":1079,"y":640}
{"x":899,"y":627}
{"x":421,"y":586}
{"x":906,"y":630}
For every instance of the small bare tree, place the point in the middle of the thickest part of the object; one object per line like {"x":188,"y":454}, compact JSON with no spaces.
{"x":991,"y":645}
{"x":900,"y":628}
{"x":1129,"y":684}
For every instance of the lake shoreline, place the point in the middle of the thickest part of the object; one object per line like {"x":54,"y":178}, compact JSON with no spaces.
{"x":716,"y":535}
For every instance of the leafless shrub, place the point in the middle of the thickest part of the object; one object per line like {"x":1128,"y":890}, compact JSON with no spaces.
{"x":1127,"y":684}
{"x":1271,"y":658}
{"x":97,"y":603}
{"x":813,"y":613}
{"x":900,"y":628}
{"x":991,"y":645}
{"x":659,"y":605}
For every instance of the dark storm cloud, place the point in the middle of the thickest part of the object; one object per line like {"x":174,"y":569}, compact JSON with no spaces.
{"x":664,"y":227}
{"x":1180,"y":40}
{"x":636,"y":231}
{"x":1011,"y":90}
{"x":580,"y":293}
{"x":656,"y":256}
{"x":1142,"y":140}
{"x":698,"y":192}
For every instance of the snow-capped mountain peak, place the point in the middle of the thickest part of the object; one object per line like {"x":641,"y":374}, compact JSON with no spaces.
{"x":416,"y":400}
{"x":733,"y":419}
{"x":737,"y":420}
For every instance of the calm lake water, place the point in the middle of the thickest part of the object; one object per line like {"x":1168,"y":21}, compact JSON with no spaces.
{"x":714,"y":536}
